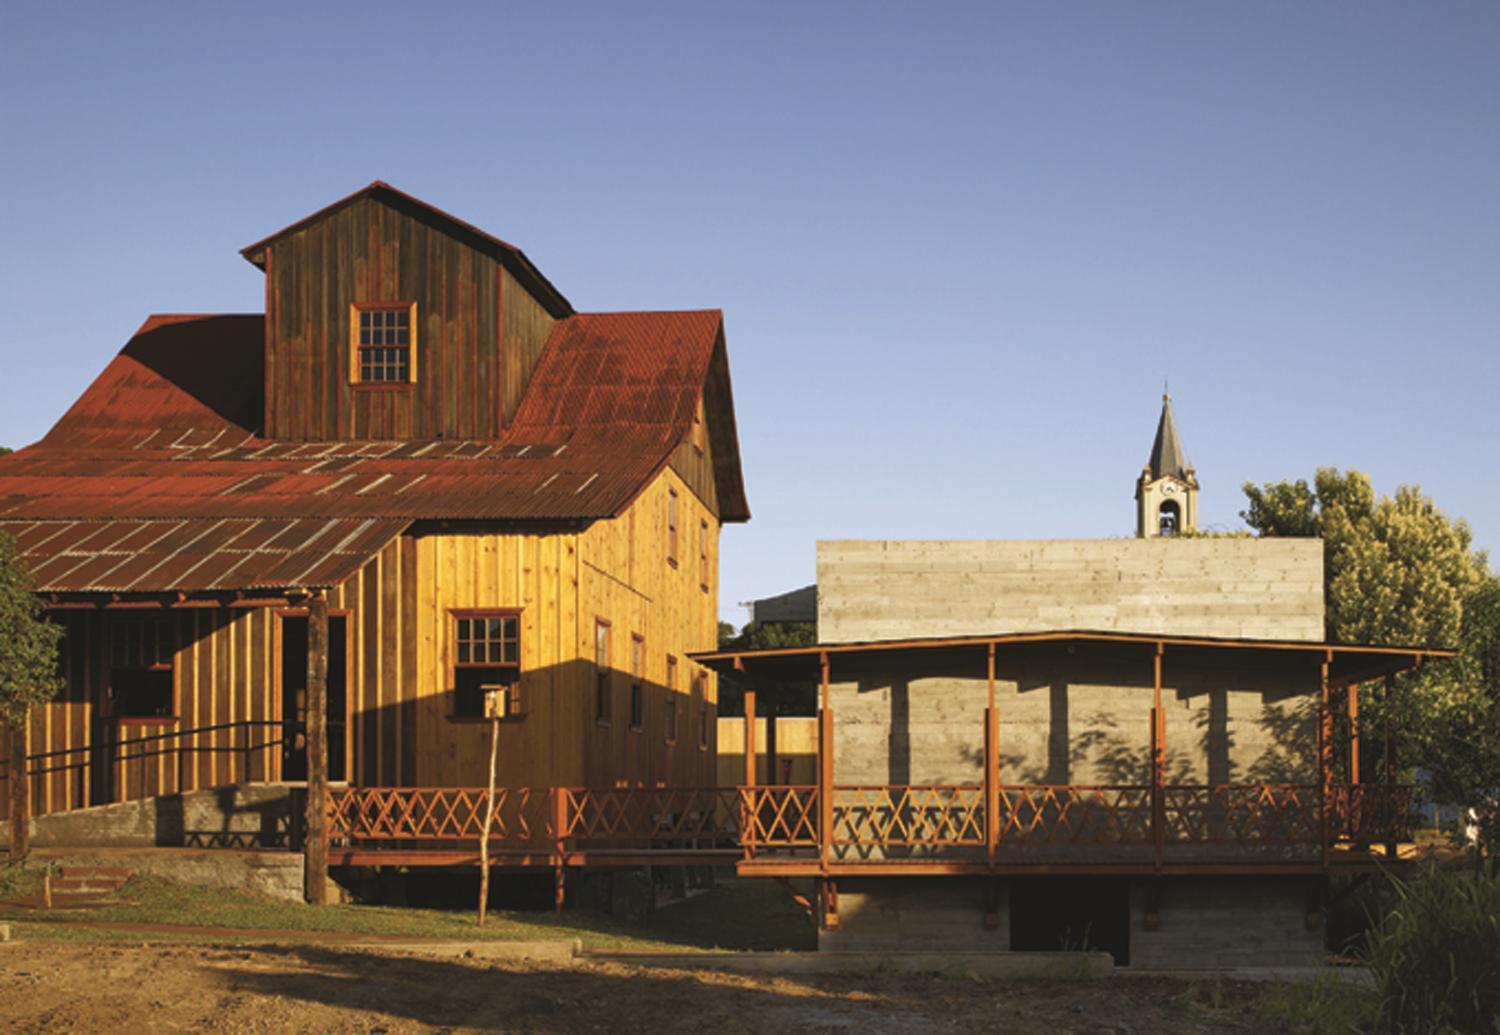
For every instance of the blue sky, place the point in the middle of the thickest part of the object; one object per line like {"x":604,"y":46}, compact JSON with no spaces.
{"x":958,"y":246}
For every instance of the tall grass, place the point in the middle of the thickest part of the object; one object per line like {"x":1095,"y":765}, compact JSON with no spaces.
{"x":1436,"y":955}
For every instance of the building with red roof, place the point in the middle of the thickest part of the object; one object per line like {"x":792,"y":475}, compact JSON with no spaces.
{"x":421,"y":457}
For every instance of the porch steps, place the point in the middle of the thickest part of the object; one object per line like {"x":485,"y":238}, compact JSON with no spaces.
{"x":81,"y":887}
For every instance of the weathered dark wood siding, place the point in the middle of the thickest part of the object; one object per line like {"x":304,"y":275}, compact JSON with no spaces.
{"x":370,"y":253}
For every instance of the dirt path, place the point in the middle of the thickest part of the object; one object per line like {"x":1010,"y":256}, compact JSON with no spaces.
{"x":91,"y":987}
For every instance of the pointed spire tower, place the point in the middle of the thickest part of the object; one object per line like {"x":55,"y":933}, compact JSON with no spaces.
{"x":1166,"y":496}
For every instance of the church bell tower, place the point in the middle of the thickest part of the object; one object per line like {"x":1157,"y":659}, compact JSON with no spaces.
{"x":1166,"y":497}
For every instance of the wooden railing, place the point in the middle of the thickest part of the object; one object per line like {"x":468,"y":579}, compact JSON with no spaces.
{"x":405,"y":814}
{"x":121,"y":764}
{"x":523,"y":818}
{"x":867,"y":821}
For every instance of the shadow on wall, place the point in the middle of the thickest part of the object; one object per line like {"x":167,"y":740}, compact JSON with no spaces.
{"x":1224,"y":725}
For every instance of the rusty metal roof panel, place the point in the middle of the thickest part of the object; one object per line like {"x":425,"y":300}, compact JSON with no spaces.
{"x":157,"y":470}
{"x":198,"y":555}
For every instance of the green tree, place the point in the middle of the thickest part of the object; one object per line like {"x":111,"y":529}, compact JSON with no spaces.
{"x":795,"y":698}
{"x":1398,"y":572}
{"x":28,"y":671}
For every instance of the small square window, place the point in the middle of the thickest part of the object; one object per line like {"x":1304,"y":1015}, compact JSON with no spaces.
{"x":383,"y":347}
{"x":487,"y":658}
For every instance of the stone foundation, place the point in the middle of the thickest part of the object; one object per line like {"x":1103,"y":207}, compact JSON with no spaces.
{"x":1174,"y":923}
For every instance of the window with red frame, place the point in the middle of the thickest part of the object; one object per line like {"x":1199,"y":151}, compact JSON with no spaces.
{"x":486,"y":656}
{"x":384,"y":344}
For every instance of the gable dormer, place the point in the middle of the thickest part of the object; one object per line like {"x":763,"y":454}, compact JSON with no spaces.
{"x":389,"y":319}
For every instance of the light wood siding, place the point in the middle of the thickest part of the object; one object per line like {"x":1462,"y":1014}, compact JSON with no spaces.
{"x":370,"y":253}
{"x":616,"y":570}
{"x":628,"y":580}
{"x":397,"y":608}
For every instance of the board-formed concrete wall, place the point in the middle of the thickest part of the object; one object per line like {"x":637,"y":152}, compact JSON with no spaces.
{"x":1080,"y":716}
{"x":1236,"y":588}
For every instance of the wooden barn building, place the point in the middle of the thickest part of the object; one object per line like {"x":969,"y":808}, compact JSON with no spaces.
{"x":421,"y":457}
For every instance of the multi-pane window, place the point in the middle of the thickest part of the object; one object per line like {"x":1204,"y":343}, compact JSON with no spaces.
{"x":140,"y":667}
{"x":637,"y":683}
{"x":602,"y":704}
{"x":672,"y":526}
{"x":671,"y":729}
{"x":384,"y":340}
{"x":700,"y":700}
{"x":486,"y":658}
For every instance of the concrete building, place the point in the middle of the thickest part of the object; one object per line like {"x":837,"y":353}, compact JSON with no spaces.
{"x":1127,"y":744}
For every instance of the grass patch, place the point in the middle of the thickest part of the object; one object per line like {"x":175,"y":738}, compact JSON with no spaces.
{"x":736,"y":915}
{"x":741,"y":914}
{"x":1327,"y":1005}
{"x":18,"y":881}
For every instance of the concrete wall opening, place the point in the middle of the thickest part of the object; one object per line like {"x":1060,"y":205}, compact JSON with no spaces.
{"x":1053,"y":914}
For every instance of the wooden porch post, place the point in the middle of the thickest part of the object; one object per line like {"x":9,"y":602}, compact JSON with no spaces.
{"x":749,"y":739}
{"x":1325,"y":757}
{"x":825,"y":768}
{"x":1158,"y":762}
{"x":315,"y":844}
{"x":1392,"y":849}
{"x":991,"y":763}
{"x":20,"y":793}
{"x":1353,"y":734}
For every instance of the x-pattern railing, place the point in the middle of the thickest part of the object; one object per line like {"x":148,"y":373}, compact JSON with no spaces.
{"x":629,"y":815}
{"x":781,"y":816}
{"x":435,"y":813}
{"x":879,"y":816}
{"x":1075,"y":813}
{"x":1242,"y":814}
{"x":1366,"y":813}
{"x":791,"y":819}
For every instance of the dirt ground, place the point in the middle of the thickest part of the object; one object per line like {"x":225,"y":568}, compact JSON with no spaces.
{"x":47,"y":987}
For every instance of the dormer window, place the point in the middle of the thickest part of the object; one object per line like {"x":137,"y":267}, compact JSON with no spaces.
{"x":383,"y":349}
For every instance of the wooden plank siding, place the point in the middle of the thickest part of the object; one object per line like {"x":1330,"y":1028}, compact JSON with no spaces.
{"x":400,"y":652}
{"x":367,"y":253}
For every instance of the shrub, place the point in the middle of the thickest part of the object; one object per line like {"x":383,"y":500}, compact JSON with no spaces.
{"x":1436,"y":955}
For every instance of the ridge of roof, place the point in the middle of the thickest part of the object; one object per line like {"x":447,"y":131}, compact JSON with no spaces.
{"x":169,"y":431}
{"x":514,"y":258}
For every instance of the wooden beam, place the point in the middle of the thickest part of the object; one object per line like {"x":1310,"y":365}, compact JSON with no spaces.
{"x":1325,"y":756}
{"x":991,"y":765}
{"x":825,"y":765}
{"x":1158,"y":762}
{"x":315,"y":845}
{"x":749,"y":738}
{"x":1353,"y":691}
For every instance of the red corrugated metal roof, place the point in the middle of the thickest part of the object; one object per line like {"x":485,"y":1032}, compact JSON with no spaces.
{"x":166,"y":435}
{"x":196,"y":555}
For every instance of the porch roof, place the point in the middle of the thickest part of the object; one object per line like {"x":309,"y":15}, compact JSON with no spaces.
{"x":196,"y":555}
{"x":1346,"y":663}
